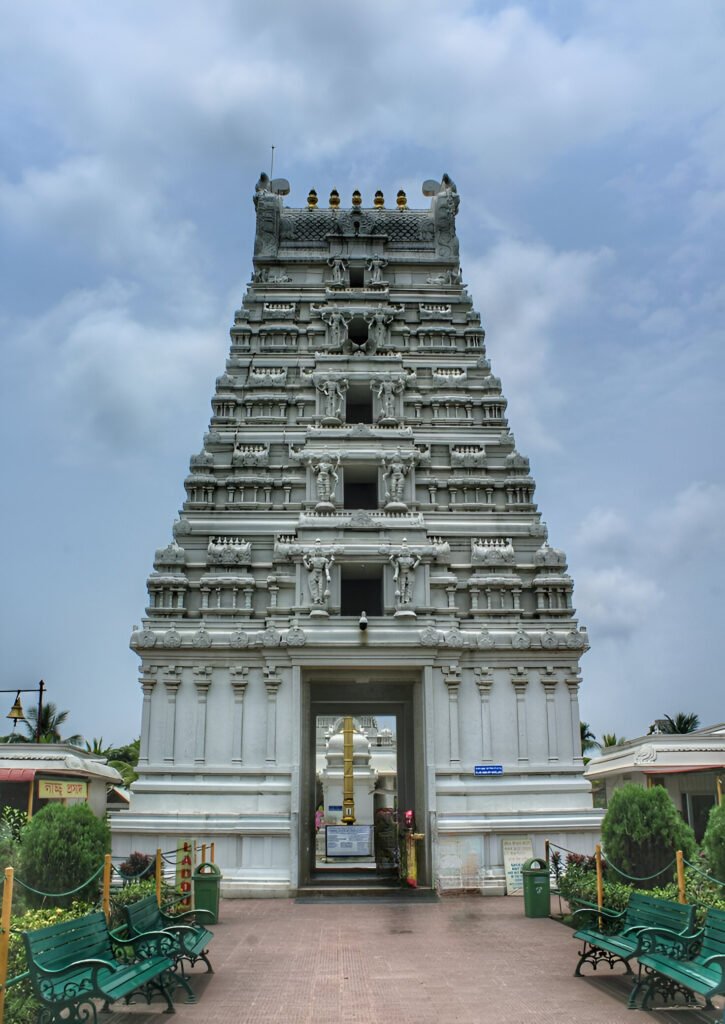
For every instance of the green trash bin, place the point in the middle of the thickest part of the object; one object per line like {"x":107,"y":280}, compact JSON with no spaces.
{"x":207,"y":880}
{"x":537,"y":891}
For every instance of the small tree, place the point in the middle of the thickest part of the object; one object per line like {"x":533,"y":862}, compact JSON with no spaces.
{"x":642,"y":831}
{"x":713,"y":842}
{"x":61,"y":848}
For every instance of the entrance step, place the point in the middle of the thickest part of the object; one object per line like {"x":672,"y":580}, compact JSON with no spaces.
{"x":370,"y":894}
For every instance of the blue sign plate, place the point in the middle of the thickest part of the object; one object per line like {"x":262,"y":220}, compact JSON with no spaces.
{"x":488,"y":769}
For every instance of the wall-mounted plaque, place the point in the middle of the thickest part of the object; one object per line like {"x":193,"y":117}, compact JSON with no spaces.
{"x":349,"y":840}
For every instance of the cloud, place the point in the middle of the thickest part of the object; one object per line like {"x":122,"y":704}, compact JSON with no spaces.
{"x":616,"y":601}
{"x":603,"y":529}
{"x":525,"y":291}
{"x":117,"y":383}
{"x":693,"y":520}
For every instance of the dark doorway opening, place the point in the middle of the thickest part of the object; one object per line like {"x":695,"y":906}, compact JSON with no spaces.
{"x":357,"y":277}
{"x":359,"y":404}
{"x":361,"y":487}
{"x":361,"y":589}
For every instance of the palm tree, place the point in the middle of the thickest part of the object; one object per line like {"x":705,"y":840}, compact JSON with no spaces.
{"x":97,"y":746}
{"x":51,"y":720}
{"x":589,"y":740}
{"x":681,"y":723}
{"x":610,"y":739}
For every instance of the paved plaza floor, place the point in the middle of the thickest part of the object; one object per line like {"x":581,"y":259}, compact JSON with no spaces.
{"x":462,"y":960}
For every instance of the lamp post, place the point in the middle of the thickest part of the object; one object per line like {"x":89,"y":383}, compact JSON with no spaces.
{"x":16,"y":711}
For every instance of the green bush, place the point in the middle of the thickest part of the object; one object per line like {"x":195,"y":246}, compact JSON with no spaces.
{"x":713,"y":842}
{"x":61,"y":848}
{"x":130,"y":893}
{"x":641,"y":833}
{"x":21,"y":1006}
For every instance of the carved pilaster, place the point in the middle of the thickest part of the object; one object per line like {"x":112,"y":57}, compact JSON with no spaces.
{"x":484,"y":682}
{"x":520,"y":682}
{"x":549,"y":680}
{"x":238,"y":678}
{"x":572,"y":682}
{"x":147,"y":681}
{"x":452,"y":679}
{"x":272,"y":683}
{"x":202,"y":682}
{"x":172,"y":682}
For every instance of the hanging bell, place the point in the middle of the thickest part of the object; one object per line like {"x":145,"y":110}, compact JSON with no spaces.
{"x":16,"y":712}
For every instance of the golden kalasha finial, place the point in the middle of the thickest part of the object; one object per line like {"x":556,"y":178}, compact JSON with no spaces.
{"x":402,"y":199}
{"x":356,"y":199}
{"x":334,"y":199}
{"x":312,"y":199}
{"x":379,"y":200}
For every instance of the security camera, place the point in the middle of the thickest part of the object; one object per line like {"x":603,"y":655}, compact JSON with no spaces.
{"x":363,"y":623}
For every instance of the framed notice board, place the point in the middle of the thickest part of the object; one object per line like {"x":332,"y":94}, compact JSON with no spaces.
{"x":349,"y":841}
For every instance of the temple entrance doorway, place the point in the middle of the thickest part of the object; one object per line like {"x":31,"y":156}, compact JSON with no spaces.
{"x":362,"y":783}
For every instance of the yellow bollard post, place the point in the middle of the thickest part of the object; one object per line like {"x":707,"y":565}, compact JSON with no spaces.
{"x":211,"y":855}
{"x":681,"y":876}
{"x":600,"y":883}
{"x":107,"y":887}
{"x":158,"y":875}
{"x":5,"y":936}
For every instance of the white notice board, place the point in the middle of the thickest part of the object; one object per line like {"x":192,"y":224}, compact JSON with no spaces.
{"x":349,"y":840}
{"x":516,"y":851}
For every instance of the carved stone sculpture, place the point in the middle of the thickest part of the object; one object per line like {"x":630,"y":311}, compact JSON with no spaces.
{"x":269,"y":211}
{"x":338,"y":324}
{"x":317,"y":561}
{"x":229,"y":551}
{"x":339,"y":269}
{"x":377,"y":331}
{"x":375,"y":266}
{"x":325,"y":470}
{"x":445,"y":207}
{"x":333,"y":389}
{"x":396,"y":470}
{"x":405,"y":562}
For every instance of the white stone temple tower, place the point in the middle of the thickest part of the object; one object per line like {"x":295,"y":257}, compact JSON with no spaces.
{"x":359,"y":537}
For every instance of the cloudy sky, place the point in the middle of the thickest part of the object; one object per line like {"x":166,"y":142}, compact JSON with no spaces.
{"x":587,"y":140}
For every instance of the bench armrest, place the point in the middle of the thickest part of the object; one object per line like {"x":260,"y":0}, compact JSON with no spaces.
{"x":661,"y":940}
{"x":55,"y":972}
{"x":716,"y":960}
{"x":186,"y":913}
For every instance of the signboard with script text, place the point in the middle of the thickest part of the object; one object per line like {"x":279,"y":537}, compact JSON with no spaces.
{"x":516,"y":851}
{"x":488,"y":769}
{"x":62,"y":789}
{"x":349,"y":840}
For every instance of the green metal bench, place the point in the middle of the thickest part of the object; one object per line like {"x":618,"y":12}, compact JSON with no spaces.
{"x":618,"y":936}
{"x":73,"y":963}
{"x":685,"y":964}
{"x":178,"y":936}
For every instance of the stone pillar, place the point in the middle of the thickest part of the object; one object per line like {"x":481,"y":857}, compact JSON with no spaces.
{"x":172,"y":682}
{"x":549,"y":681}
{"x":484,"y":682}
{"x":202,"y":682}
{"x":452,"y":679}
{"x":520,"y":681}
{"x":238,"y":674}
{"x":147,"y":681}
{"x":272,"y":684}
{"x":572,"y":681}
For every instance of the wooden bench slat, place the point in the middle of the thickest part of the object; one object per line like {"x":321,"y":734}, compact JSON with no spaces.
{"x":74,"y":962}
